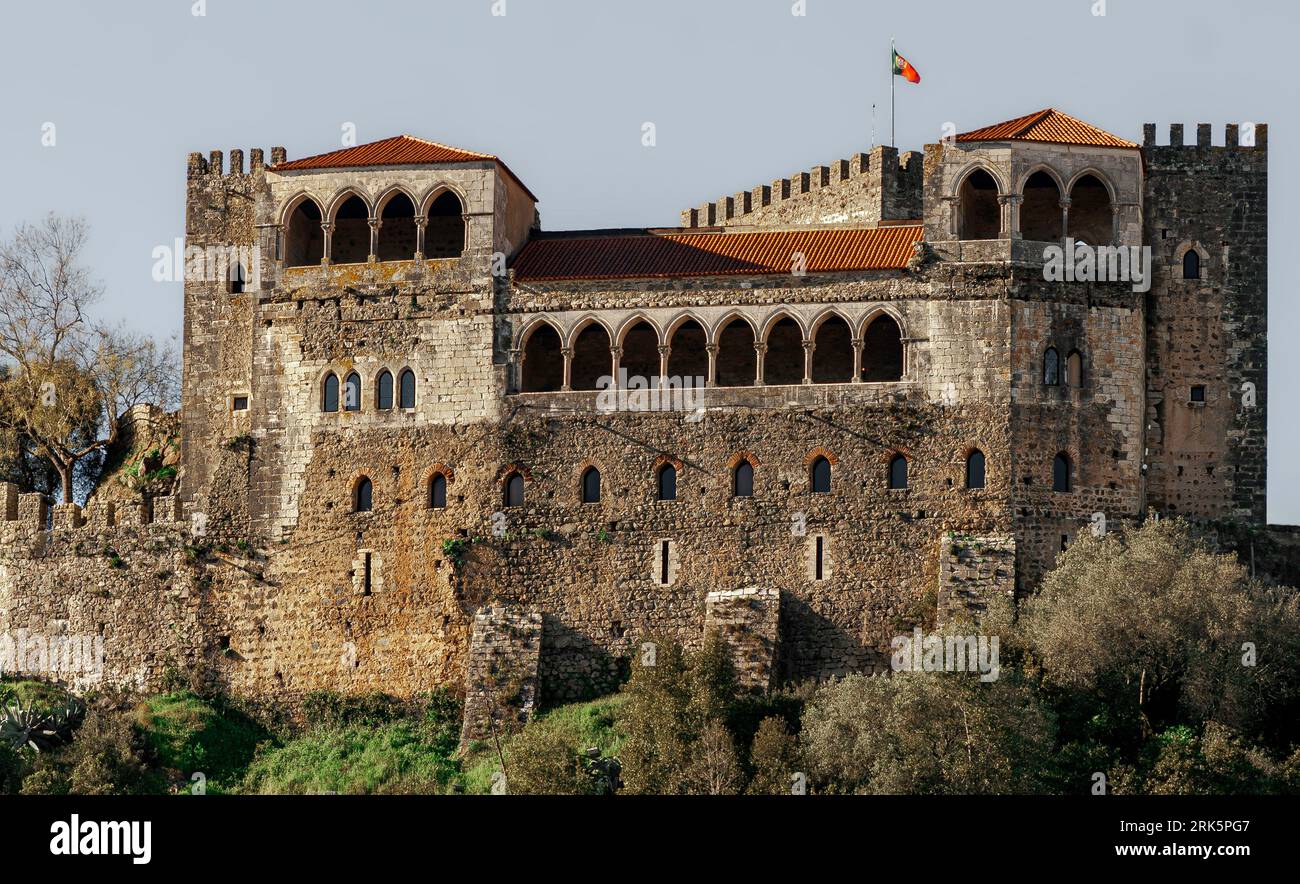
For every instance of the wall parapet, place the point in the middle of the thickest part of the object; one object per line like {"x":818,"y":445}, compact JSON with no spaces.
{"x":32,"y":512}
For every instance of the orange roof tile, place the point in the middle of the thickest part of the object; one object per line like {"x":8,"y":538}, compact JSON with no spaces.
{"x":400,"y":150}
{"x":647,"y":255}
{"x":1049,"y":125}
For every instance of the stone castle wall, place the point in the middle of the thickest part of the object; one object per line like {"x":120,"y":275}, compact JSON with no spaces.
{"x":259,"y":575}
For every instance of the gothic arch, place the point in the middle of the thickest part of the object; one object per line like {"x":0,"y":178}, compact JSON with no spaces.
{"x":344,"y":194}
{"x":875,"y":313}
{"x":589,"y":342}
{"x":979,"y":165}
{"x":824,"y":314}
{"x":632,"y":322}
{"x":777,"y":316}
{"x":542,"y":358}
{"x":1045,"y":168}
{"x":1101,"y":176}
{"x":731,"y":316}
{"x":783,"y":357}
{"x":291,"y":204}
{"x":1040,"y":213}
{"x":304,"y":239}
{"x":423,"y":205}
{"x":583,"y":324}
{"x":532,"y":325}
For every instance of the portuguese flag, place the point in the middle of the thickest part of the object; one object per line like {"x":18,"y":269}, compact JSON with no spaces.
{"x":903,"y":68}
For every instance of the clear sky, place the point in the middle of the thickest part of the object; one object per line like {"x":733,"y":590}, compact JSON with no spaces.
{"x":739,"y":91}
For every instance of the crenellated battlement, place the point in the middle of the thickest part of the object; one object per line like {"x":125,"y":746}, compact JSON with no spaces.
{"x":214,"y":164}
{"x":31,"y":512}
{"x":883,"y":168}
{"x":1235,"y":135}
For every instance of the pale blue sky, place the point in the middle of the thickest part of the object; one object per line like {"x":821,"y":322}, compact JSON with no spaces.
{"x":740,"y":92}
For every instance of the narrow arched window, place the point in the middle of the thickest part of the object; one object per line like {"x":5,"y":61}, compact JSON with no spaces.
{"x":1061,"y":473}
{"x":1191,"y":264}
{"x":591,"y":485}
{"x":384,"y":390}
{"x":667,"y":482}
{"x":438,"y":491}
{"x":742,"y":480}
{"x":363,"y":496}
{"x":330,"y":393}
{"x":1051,"y":368}
{"x":406,"y":383}
{"x":975,"y":469}
{"x":898,"y":472}
{"x":1074,"y":369}
{"x":820,"y":476}
{"x":514,"y":491}
{"x":352,"y":392}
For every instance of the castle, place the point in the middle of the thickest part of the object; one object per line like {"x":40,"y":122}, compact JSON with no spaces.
{"x":846,"y":402}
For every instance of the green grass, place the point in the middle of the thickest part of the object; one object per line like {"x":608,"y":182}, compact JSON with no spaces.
{"x":30,"y":692}
{"x":593,"y":723}
{"x":402,"y":756}
{"x":190,"y":734}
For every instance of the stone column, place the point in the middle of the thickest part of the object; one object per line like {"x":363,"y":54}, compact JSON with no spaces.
{"x":465,"y":245}
{"x":1065,"y":221}
{"x":420,"y":224}
{"x":664,"y":351}
{"x":328,"y":230}
{"x":712,"y":350}
{"x":857,"y":359}
{"x":615,"y":357}
{"x":1115,"y":212}
{"x":760,"y":349}
{"x":1006,"y":230}
{"x":567,"y":353}
{"x":375,"y":224}
{"x":517,"y":369}
{"x":809,"y":345}
{"x":1013,"y":215}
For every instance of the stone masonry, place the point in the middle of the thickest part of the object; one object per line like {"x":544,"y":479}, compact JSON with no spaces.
{"x":397,"y":471}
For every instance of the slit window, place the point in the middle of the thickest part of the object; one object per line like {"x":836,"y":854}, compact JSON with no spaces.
{"x":667,"y":482}
{"x":363,"y":498}
{"x":1061,"y":474}
{"x":330,"y":393}
{"x":975,"y":469}
{"x":820,"y":556}
{"x":663,"y":562}
{"x":366,"y":575}
{"x":407,"y":389}
{"x":1051,"y":368}
{"x":742,"y":479}
{"x":898,"y":472}
{"x":821,"y":476}
{"x":384,"y":391}
{"x":591,"y":485}
{"x":352,"y":392}
{"x":514,"y":493}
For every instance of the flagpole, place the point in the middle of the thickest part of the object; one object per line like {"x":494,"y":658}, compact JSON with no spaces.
{"x":892,"y":77}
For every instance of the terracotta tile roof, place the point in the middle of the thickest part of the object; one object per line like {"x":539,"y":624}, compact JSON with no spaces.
{"x":1048,"y":125}
{"x":400,"y":150}
{"x":651,"y":255}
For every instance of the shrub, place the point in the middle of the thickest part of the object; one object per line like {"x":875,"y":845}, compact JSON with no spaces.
{"x":772,"y":758}
{"x":927,"y":733}
{"x":671,"y":707}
